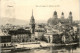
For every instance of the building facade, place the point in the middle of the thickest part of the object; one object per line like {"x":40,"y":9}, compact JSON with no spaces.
{"x":20,"y":35}
{"x":5,"y":41}
{"x":39,"y":32}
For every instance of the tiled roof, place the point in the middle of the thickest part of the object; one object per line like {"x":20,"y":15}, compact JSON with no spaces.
{"x":2,"y":33}
{"x":19,"y":31}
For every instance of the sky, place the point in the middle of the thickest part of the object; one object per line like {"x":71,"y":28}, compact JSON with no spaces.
{"x":42,"y":9}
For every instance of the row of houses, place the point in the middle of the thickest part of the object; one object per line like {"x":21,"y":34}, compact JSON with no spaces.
{"x":20,"y":35}
{"x":48,"y":34}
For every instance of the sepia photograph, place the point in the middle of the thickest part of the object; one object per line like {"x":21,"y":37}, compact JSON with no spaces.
{"x":39,"y":26}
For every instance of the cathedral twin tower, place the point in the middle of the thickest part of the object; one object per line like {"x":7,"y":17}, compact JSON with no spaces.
{"x":55,"y":20}
{"x":62,"y":15}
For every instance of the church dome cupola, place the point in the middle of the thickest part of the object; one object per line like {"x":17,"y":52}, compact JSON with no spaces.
{"x":55,"y":13}
{"x":62,"y":13}
{"x":70,"y":17}
{"x":70,"y":13}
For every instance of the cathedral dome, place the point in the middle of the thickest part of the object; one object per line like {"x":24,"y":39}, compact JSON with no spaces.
{"x":53,"y":21}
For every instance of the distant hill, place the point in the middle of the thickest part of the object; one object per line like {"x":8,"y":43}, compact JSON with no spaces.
{"x":13,"y":21}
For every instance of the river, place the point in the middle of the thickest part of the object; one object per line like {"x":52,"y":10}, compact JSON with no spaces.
{"x":57,"y":49}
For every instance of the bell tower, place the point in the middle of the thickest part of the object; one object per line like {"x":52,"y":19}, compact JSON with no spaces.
{"x":70,"y":18}
{"x":55,"y":15}
{"x":32,"y":23}
{"x":62,"y":15}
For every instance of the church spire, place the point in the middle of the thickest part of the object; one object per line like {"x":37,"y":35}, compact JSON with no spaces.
{"x":32,"y":17}
{"x":32,"y":12}
{"x":32,"y":20}
{"x":32,"y":23}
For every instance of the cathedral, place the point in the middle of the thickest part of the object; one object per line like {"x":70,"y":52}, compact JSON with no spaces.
{"x":55,"y":20}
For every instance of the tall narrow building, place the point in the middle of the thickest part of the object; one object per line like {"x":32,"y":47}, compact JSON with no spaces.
{"x":70,"y":18}
{"x":55,"y":15}
{"x":62,"y":15}
{"x":32,"y":23}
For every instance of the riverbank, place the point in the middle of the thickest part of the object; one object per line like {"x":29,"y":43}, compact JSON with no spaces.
{"x":34,"y":45}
